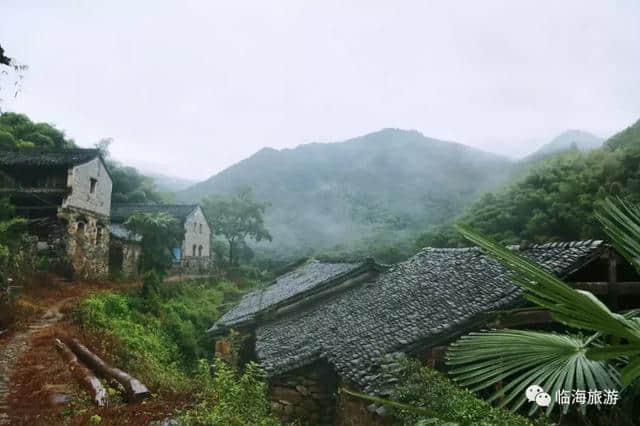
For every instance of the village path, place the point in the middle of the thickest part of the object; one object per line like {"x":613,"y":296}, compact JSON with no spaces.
{"x":16,"y":347}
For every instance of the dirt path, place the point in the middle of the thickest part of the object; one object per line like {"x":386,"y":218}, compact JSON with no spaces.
{"x":13,"y":349}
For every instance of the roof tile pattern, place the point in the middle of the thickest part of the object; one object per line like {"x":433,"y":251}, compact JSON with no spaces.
{"x":432,"y":294}
{"x":312,"y":275}
{"x":47,"y":158}
{"x":121,"y":212}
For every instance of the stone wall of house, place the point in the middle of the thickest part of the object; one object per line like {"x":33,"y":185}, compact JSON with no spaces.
{"x":87,"y":243}
{"x":197,"y":235}
{"x":307,"y":395}
{"x":82,"y":197}
{"x":195,"y":266}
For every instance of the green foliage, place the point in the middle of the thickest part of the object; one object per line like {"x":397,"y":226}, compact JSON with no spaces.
{"x":556,"y":200}
{"x":575,"y":308}
{"x":238,"y":399}
{"x":522,"y":358}
{"x":425,"y":388}
{"x":160,"y":233}
{"x":237,"y":218}
{"x":129,"y":186}
{"x":162,"y":336}
{"x":17,"y":131}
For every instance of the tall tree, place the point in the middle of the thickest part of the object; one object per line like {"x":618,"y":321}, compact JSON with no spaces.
{"x":237,"y":218}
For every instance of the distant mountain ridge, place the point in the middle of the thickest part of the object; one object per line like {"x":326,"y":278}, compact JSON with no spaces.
{"x":578,"y":139}
{"x":324,"y":195}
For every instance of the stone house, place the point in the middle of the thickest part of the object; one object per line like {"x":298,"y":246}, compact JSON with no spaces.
{"x":325,"y":325}
{"x":66,"y":195}
{"x":193,"y":256}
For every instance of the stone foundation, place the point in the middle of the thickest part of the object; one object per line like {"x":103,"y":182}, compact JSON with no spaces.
{"x":87,"y":243}
{"x":307,"y":395}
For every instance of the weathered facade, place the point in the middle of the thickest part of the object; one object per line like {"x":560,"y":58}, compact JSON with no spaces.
{"x":66,"y":195}
{"x":193,"y":256}
{"x":360,"y":318}
{"x":125,"y":250}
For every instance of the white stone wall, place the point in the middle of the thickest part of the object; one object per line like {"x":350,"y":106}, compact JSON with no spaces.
{"x":196,"y":233}
{"x":79,"y":179}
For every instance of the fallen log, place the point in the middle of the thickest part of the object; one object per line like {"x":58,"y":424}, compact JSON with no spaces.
{"x":136,"y":391}
{"x":82,"y":374}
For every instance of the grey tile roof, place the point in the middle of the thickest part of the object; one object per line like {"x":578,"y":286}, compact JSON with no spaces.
{"x":47,"y":158}
{"x":310,"y":276}
{"x":432,"y":295}
{"x":121,"y":212}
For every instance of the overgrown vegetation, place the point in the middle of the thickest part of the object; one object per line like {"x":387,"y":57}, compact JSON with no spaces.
{"x":235,"y":398}
{"x":162,"y":336}
{"x":423,"y":387}
{"x":161,"y":339}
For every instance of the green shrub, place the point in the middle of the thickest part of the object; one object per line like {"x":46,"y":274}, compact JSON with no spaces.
{"x":426,"y":388}
{"x":163,"y":335}
{"x":237,"y":399}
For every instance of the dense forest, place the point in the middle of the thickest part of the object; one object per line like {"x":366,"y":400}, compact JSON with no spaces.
{"x":556,"y":198}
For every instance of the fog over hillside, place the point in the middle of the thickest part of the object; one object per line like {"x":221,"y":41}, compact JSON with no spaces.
{"x":323,"y":195}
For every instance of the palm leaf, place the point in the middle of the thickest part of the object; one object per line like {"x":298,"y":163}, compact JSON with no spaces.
{"x":524,"y":358}
{"x":575,"y":308}
{"x":621,"y":222}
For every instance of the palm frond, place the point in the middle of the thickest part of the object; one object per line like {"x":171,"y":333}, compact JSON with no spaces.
{"x":575,"y":308}
{"x":523,"y":358}
{"x":621,"y":222}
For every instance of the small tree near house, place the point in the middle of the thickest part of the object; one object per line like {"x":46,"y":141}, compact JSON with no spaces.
{"x":237,"y":218}
{"x":160,"y":233}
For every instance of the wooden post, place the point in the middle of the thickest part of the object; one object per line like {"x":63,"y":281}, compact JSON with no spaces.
{"x":612,"y":280}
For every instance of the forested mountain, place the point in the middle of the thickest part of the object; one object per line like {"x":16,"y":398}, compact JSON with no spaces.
{"x":556,"y":199}
{"x":570,"y":139}
{"x":372,"y":190}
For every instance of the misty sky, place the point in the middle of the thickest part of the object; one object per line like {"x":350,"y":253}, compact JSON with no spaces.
{"x":188,"y":88}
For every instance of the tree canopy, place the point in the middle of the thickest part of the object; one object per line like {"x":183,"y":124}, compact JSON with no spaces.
{"x":160,"y":233}
{"x":17,"y":131}
{"x":556,"y":199}
{"x":237,"y":218}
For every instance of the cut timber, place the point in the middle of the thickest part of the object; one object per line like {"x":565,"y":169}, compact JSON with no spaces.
{"x":136,"y":391}
{"x":82,"y":374}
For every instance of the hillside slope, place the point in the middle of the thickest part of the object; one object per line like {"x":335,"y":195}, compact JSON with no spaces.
{"x":556,"y":198}
{"x":570,"y":139}
{"x":325,"y":195}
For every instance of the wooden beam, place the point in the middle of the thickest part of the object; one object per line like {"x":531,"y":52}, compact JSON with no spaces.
{"x":518,"y":319}
{"x":602,"y":287}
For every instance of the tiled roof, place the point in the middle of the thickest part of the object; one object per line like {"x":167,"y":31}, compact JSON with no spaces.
{"x":310,"y":276}
{"x":121,"y":212}
{"x":47,"y":158}
{"x":435,"y":294}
